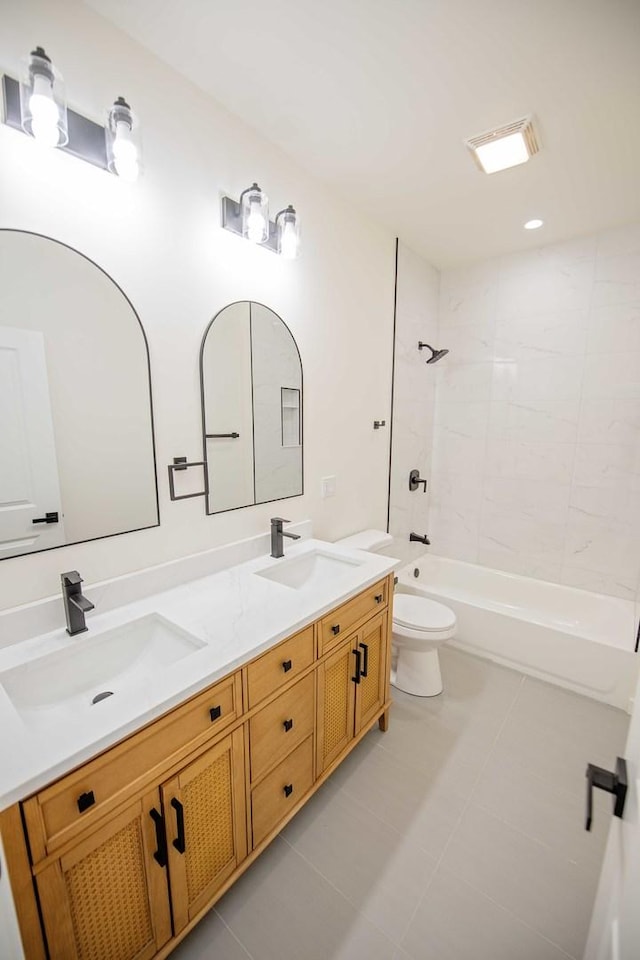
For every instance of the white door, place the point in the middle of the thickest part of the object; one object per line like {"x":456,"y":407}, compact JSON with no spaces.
{"x":615,"y":924}
{"x":29,"y":487}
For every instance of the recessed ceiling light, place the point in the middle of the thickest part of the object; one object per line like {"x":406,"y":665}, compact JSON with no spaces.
{"x":506,"y":146}
{"x":533,"y":224}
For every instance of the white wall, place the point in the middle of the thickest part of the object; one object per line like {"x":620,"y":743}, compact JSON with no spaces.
{"x":160,"y":240}
{"x":536,"y":455}
{"x":413,"y":398}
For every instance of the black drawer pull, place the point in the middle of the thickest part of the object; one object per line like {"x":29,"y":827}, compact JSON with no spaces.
{"x":356,"y":679}
{"x":288,"y":725}
{"x":215,"y":712}
{"x":365,"y":662}
{"x":379,"y":597}
{"x":86,"y":800}
{"x":336,"y":629}
{"x":160,"y":854}
{"x":286,"y":665}
{"x":288,"y":789}
{"x":179,"y":843}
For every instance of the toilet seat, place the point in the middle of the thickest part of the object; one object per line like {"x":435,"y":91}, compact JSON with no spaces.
{"x":421,"y":614}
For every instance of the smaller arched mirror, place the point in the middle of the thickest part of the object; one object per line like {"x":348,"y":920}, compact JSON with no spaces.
{"x":251,"y":383}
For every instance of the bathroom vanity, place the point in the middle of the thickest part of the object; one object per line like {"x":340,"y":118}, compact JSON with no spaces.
{"x":123,"y":853}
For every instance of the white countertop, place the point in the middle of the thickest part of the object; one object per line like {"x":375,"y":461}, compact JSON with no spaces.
{"x":235,"y":614}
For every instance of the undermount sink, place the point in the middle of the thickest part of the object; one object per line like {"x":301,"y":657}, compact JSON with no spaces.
{"x":316,"y":567}
{"x":78,"y":678}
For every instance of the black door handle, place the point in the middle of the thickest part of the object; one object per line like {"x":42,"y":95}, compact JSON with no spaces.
{"x":48,"y":518}
{"x":611,"y":782}
{"x":86,"y":800}
{"x":287,"y":724}
{"x":356,"y":679}
{"x":160,"y":854}
{"x":179,"y":843}
{"x":286,"y":665}
{"x":288,"y":789}
{"x":365,"y":662}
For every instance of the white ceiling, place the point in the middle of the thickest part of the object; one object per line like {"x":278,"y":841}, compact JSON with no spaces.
{"x":376,"y":96}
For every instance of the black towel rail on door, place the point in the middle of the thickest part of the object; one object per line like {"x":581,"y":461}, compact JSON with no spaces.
{"x":219,"y":436}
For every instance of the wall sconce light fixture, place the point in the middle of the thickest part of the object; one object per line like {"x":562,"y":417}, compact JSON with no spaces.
{"x":37,"y":106}
{"x":122,"y":147}
{"x":249,"y":218}
{"x":42,"y":101}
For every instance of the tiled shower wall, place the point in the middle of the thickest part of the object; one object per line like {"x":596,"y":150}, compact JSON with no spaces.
{"x":536,"y":440}
{"x":413,"y":398}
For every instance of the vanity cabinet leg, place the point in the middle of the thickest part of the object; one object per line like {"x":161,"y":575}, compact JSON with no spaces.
{"x":383,"y":721}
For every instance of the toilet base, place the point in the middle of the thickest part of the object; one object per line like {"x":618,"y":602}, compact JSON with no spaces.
{"x":418,"y":673}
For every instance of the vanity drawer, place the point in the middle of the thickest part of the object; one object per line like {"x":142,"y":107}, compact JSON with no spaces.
{"x":272,"y":799}
{"x":278,"y":666}
{"x":336,"y":625}
{"x":276,"y":729}
{"x":66,"y":807}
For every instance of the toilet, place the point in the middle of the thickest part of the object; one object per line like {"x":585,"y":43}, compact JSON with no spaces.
{"x":420,"y":627}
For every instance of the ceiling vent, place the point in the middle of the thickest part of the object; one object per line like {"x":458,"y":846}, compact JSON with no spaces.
{"x":506,"y":146}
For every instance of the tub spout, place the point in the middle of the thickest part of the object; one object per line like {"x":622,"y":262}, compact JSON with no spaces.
{"x":419,"y":539}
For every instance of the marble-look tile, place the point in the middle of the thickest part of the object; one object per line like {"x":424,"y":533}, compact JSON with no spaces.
{"x":532,"y":461}
{"x":553,"y":283}
{"x":456,"y":921}
{"x":458,"y":523}
{"x":452,"y":490}
{"x":612,"y":376}
{"x":457,"y":454}
{"x":499,"y":557}
{"x":541,"y":337}
{"x":471,"y":343}
{"x":623,"y":586}
{"x":553,"y":421}
{"x":605,"y":545}
{"x":607,"y":503}
{"x":468,"y":295}
{"x":557,"y":378}
{"x":540,"y":540}
{"x":610,"y":421}
{"x":614,"y":329}
{"x":617,"y":279}
{"x":610,"y":465}
{"x":466,"y":418}
{"x":543,"y":500}
{"x":464,"y":381}
{"x":619,"y":241}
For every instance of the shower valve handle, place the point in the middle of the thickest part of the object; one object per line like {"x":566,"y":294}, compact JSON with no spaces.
{"x":415,"y":481}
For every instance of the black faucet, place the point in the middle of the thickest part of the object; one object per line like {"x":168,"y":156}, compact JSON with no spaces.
{"x":419,"y":538}
{"x":75,"y":604}
{"x":277,"y":533}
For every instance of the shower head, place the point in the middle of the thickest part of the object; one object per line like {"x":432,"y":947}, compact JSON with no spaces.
{"x":435,"y":354}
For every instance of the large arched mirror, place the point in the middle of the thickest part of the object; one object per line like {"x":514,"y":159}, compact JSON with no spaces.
{"x":77,"y":457}
{"x":251,"y":381}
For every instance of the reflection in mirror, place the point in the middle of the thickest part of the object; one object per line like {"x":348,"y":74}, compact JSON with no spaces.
{"x":251,"y":381}
{"x":77,"y":457}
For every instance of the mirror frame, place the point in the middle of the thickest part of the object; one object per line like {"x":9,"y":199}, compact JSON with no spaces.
{"x":244,"y":506}
{"x":119,"y":533}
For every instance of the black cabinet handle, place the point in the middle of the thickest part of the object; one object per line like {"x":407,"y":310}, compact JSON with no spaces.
{"x":288,"y":789}
{"x":160,"y":854}
{"x":51,"y":517}
{"x":611,"y":782}
{"x":215,"y":712}
{"x":336,"y":629}
{"x":356,"y":679}
{"x":179,"y":843}
{"x":286,"y":665}
{"x":86,"y":800}
{"x":379,"y":597}
{"x":288,"y":725}
{"x":365,"y":663}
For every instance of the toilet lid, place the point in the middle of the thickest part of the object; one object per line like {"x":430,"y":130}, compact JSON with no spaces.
{"x":419,"y":613}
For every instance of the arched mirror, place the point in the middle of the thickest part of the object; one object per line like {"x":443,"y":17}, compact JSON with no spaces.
{"x":77,"y":456}
{"x":251,"y":382}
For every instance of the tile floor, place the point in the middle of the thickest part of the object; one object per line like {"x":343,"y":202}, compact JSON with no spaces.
{"x":456,"y":835}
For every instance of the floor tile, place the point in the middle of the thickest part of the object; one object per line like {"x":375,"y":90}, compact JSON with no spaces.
{"x":537,"y":885}
{"x":457,"y":922}
{"x":282,"y":909}
{"x":380,"y":870}
{"x":210,"y":939}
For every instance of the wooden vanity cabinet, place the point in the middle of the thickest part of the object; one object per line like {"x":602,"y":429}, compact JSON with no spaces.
{"x":127,"y":852}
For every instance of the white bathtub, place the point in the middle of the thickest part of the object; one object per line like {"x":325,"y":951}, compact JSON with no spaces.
{"x":580,"y":640}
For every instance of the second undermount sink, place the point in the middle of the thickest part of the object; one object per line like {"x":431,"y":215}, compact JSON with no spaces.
{"x":317,"y":567}
{"x":78,"y":678}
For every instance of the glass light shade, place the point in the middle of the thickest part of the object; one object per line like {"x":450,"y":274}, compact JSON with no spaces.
{"x":254,"y":211}
{"x":502,"y":153}
{"x":123,"y":146}
{"x":288,"y":233}
{"x":43,"y":101}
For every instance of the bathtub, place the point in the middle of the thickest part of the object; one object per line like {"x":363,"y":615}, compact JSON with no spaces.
{"x":579,"y":640}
